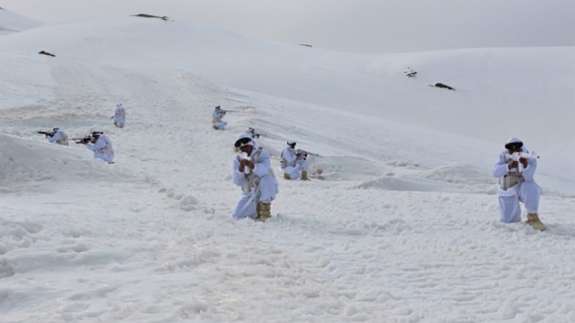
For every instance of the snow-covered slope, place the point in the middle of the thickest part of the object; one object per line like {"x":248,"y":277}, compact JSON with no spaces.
{"x":350,"y":25}
{"x":402,"y":229}
{"x":12,"y":22}
{"x":499,"y":91}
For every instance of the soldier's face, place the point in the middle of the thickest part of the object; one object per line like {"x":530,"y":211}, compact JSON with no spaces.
{"x":514,"y":148}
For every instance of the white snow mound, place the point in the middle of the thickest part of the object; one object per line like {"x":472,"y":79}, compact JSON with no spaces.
{"x":24,"y":163}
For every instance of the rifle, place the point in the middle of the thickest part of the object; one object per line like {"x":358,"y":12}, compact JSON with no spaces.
{"x":306,"y":153}
{"x":242,"y":156}
{"x":82,"y":140}
{"x":517,"y":155}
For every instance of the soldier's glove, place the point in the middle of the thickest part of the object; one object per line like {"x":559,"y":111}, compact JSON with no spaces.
{"x":244,"y":163}
{"x":513,"y":164}
{"x":249,"y":164}
{"x":524,"y":162}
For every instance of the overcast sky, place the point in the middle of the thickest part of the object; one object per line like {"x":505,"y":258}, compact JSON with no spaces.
{"x":350,"y":25}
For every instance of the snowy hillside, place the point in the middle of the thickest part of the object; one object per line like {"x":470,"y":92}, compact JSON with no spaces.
{"x":402,"y":228}
{"x":348,"y":25}
{"x":11,"y":22}
{"x":493,"y":84}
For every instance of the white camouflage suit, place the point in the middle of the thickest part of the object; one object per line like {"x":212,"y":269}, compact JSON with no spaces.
{"x":291,"y":165}
{"x":258,"y":185}
{"x":217,"y":119}
{"x":119,"y":116}
{"x":59,"y":137}
{"x":526,"y":191}
{"x":102,"y":149}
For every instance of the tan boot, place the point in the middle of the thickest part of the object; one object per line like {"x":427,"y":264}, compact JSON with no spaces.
{"x":263,"y":211}
{"x":286,"y":176}
{"x":258,"y":211}
{"x":267,"y":210}
{"x":534,"y":221}
{"x":304,"y":176}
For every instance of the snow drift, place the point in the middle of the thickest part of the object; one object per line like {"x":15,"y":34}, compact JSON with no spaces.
{"x":25,"y":164}
{"x":12,"y":22}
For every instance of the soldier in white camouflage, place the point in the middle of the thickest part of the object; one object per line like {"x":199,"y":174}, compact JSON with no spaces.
{"x":515,"y":170}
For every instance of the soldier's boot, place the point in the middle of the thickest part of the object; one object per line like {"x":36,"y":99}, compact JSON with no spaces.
{"x":286,"y":176}
{"x":263,"y":211}
{"x":534,"y":221}
{"x":304,"y":176}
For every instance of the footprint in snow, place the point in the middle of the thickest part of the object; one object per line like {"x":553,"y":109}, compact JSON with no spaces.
{"x":6,"y":270}
{"x":188,"y":203}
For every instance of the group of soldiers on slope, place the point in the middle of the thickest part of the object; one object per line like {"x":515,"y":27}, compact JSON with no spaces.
{"x":96,"y":141}
{"x":252,"y":171}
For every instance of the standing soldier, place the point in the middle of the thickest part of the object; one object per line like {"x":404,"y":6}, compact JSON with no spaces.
{"x":516,"y":169}
{"x":217,"y":118}
{"x":294,"y":162}
{"x":119,"y":116}
{"x":100,"y":144}
{"x":252,"y":171}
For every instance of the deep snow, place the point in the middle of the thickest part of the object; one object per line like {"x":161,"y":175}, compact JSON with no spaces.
{"x":402,"y":229}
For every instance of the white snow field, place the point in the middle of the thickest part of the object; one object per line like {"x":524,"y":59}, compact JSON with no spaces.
{"x":402,"y":228}
{"x":12,"y":22}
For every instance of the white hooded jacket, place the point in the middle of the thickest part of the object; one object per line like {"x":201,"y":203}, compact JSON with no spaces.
{"x":120,"y":116}
{"x":258,"y":185}
{"x":102,"y":149}
{"x":59,"y":137}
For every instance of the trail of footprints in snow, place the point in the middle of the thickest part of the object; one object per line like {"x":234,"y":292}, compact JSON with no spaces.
{"x":15,"y":235}
{"x":186,"y":203}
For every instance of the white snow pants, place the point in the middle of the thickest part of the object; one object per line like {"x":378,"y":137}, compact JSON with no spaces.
{"x":294,"y":172}
{"x":119,"y":122}
{"x":220,"y":125}
{"x":265,"y":193}
{"x":526,"y":192}
{"x":246,"y":206}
